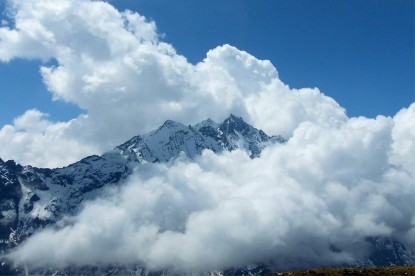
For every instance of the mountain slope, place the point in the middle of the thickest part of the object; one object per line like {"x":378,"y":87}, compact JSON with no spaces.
{"x":32,"y":198}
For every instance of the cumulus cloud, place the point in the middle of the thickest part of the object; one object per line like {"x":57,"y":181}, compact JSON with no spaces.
{"x":310,"y":202}
{"x":33,"y":137}
{"x":113,"y":65}
{"x":314,"y":199}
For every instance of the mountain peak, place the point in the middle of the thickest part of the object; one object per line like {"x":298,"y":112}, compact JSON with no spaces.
{"x":234,"y":123}
{"x":209,"y":123}
{"x":171,"y":123}
{"x":234,"y":118}
{"x":130,"y":143}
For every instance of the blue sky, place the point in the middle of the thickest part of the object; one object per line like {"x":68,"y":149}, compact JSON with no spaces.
{"x":361,"y":53}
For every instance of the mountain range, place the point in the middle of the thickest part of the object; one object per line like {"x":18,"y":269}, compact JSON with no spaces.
{"x":34,"y":198}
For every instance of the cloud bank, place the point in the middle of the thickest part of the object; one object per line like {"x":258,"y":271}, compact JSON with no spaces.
{"x":113,"y":65}
{"x":309,"y":202}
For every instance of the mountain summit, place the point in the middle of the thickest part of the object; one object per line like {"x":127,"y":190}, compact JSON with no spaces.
{"x":173,"y":137}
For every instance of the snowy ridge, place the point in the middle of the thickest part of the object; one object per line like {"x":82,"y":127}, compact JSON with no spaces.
{"x":172,"y":138}
{"x":31,"y":198}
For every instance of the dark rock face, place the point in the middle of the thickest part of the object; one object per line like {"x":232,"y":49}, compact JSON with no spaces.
{"x":10,"y":195}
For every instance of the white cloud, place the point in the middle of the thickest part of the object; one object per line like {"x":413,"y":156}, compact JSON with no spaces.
{"x":32,"y":137}
{"x":404,"y":148}
{"x":335,"y":182}
{"x":327,"y":187}
{"x":113,"y":65}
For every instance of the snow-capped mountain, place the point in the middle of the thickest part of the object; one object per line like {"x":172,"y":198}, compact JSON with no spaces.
{"x":172,"y":138}
{"x":31,"y":198}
